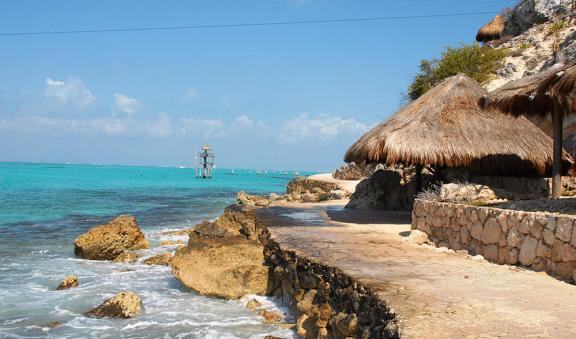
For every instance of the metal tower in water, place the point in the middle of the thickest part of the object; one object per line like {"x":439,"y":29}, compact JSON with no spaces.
{"x":204,"y":163}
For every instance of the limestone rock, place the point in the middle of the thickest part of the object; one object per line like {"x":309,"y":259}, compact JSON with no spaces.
{"x":126,"y":257}
{"x":162,"y":259}
{"x":107,"y":241}
{"x":242,"y":198}
{"x":237,"y":220}
{"x":492,"y":232}
{"x":531,"y":12}
{"x":353,"y":171}
{"x":122,"y":305}
{"x":345,"y":325}
{"x":303,"y":185}
{"x":171,"y":242}
{"x":467,"y":193}
{"x":564,"y":229}
{"x":528,"y":251}
{"x":418,"y":237}
{"x":270,"y":317}
{"x":69,"y":282}
{"x":222,"y":267}
{"x":253,"y":305}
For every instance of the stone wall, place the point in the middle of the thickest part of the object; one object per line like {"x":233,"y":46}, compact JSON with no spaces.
{"x":327,"y":303}
{"x":540,"y":241}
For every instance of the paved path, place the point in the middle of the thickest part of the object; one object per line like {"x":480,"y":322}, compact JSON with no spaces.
{"x":434,"y":294}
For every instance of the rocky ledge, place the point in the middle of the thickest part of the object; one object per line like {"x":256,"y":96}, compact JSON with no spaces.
{"x":235,"y":256}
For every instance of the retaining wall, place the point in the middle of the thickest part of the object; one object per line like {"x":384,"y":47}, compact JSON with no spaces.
{"x":540,"y":241}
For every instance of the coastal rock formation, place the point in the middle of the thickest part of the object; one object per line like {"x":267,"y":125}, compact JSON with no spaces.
{"x":107,"y":241}
{"x":222,"y":267}
{"x":162,"y":259}
{"x":308,"y":190}
{"x":530,"y":12}
{"x":389,"y":189}
{"x":237,"y":220}
{"x":480,"y":194}
{"x":122,"y":305}
{"x":171,"y":242}
{"x":126,"y":257}
{"x":353,"y":171}
{"x":69,"y":282}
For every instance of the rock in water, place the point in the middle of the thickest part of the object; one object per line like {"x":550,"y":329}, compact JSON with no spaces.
{"x":253,"y":305}
{"x":122,"y":305}
{"x":159,"y":259}
{"x":126,"y":257}
{"x":222,"y":267}
{"x":107,"y":241}
{"x":237,"y":220}
{"x":68,"y":282}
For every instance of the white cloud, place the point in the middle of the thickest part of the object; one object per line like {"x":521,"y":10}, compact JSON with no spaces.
{"x":244,"y":120}
{"x":192,"y":94}
{"x":321,"y":127}
{"x":125,"y":104}
{"x":159,"y":127}
{"x":71,"y":91}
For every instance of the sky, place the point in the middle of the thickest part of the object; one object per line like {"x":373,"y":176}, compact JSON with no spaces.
{"x":275,"y":97}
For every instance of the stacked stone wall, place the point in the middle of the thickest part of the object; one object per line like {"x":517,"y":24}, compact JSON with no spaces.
{"x":540,"y":241}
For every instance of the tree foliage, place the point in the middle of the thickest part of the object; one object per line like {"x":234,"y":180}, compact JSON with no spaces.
{"x":478,"y":62}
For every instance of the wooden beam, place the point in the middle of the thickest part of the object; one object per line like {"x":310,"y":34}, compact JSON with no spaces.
{"x":557,"y":160}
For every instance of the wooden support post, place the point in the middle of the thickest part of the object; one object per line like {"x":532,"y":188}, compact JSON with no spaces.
{"x":557,"y":160}
{"x":418,"y":178}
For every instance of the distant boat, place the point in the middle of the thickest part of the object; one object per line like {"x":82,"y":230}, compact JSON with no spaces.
{"x":231,"y":172}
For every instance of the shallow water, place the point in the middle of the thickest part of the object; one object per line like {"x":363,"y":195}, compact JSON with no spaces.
{"x":44,"y":207}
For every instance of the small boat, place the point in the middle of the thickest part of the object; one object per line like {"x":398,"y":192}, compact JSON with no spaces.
{"x":231,"y":172}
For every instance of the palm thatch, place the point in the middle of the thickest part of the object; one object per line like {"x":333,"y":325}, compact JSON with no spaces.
{"x":447,"y":128}
{"x":492,"y":30}
{"x":537,"y":94}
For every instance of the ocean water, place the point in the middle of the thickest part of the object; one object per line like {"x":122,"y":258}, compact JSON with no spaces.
{"x":44,"y":207}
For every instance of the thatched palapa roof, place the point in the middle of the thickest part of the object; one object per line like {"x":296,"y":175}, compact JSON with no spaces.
{"x":446,"y":127}
{"x":537,"y":94}
{"x":492,"y":30}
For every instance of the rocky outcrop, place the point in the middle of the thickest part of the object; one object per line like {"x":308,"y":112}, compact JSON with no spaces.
{"x":70,"y":281}
{"x":162,"y":259}
{"x":353,"y":171}
{"x":107,"y":241}
{"x":309,"y":190}
{"x":122,"y":305}
{"x":126,"y":257}
{"x":171,"y":242}
{"x":225,"y":267}
{"x":531,"y":12}
{"x":389,"y":189}
{"x":237,"y":220}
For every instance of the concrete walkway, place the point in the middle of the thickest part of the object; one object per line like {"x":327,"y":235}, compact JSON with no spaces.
{"x":434,"y":294}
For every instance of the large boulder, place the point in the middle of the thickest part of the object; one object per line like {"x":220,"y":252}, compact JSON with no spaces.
{"x":122,"y":305}
{"x":107,"y":241}
{"x":227,"y":268}
{"x":237,"y":220}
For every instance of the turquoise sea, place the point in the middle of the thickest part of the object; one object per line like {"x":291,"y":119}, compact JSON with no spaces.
{"x":44,"y":207}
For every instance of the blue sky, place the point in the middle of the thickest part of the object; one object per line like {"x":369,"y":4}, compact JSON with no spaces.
{"x":265,"y":97}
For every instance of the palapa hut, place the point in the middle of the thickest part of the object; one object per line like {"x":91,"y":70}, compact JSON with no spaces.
{"x":552,"y":91}
{"x":446,"y":127}
{"x":492,"y":30}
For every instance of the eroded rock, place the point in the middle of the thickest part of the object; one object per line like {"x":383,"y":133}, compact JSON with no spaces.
{"x":122,"y":305}
{"x":107,"y":241}
{"x":222,"y":267}
{"x":162,"y":259}
{"x":237,"y":220}
{"x":70,"y":281}
{"x":126,"y":257}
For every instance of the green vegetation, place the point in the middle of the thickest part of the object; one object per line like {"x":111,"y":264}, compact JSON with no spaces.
{"x":478,"y":62}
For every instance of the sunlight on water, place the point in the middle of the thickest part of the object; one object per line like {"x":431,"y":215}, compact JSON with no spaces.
{"x":44,"y":207}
